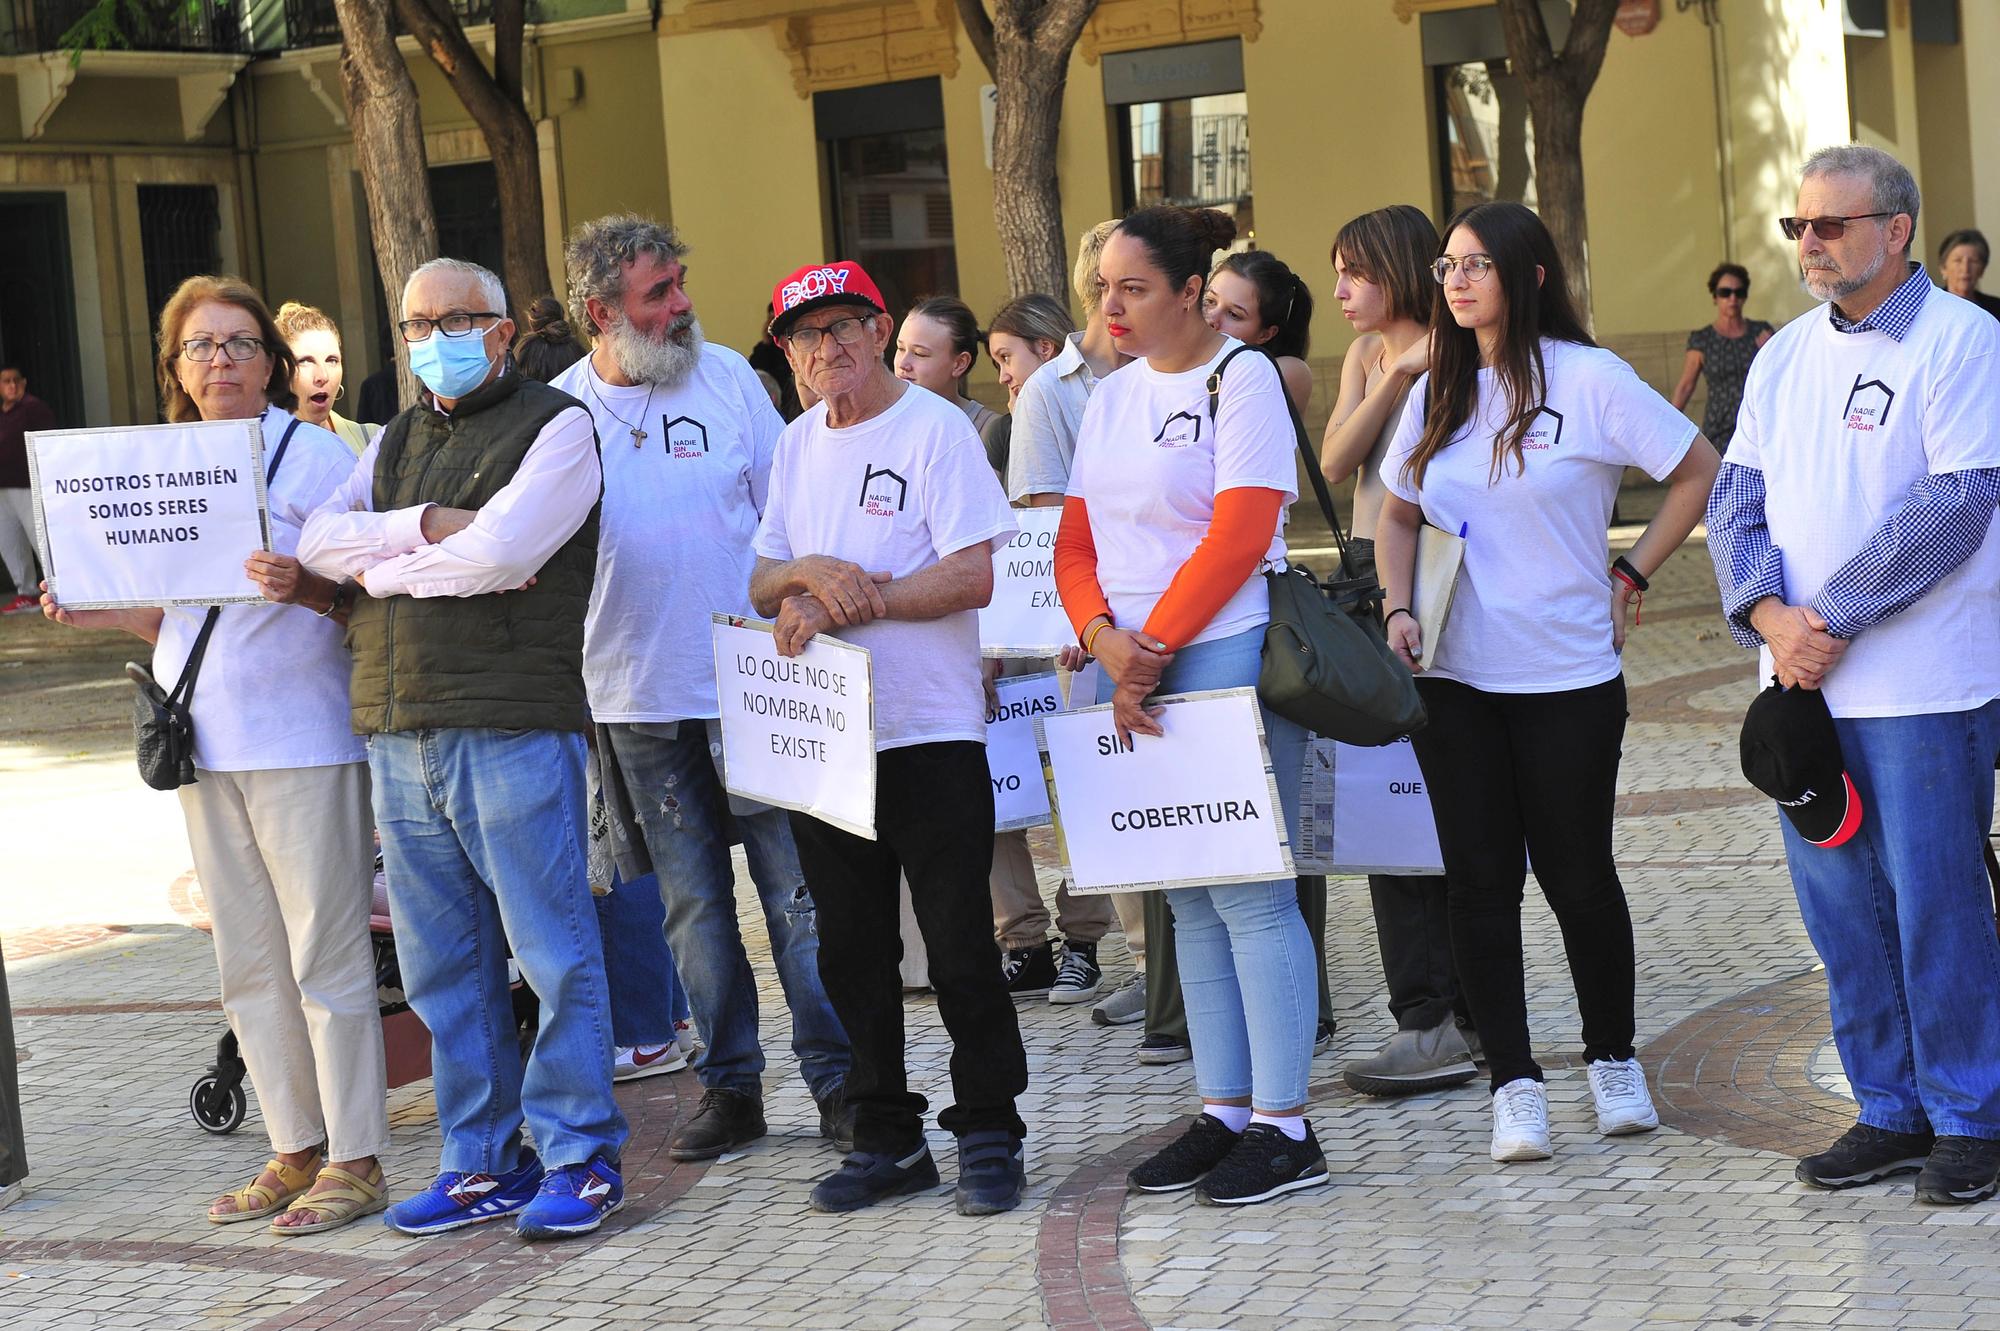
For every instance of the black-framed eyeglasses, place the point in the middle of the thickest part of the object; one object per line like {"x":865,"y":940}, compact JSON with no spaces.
{"x":203,"y":349}
{"x":845,"y":332}
{"x":1826,"y":228}
{"x":451,"y":325}
{"x":1475,"y":267}
{"x":1731,"y":293}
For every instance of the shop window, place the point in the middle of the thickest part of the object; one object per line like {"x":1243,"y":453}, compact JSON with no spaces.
{"x":1183,"y":127}
{"x":890,"y":182}
{"x":1486,"y":141}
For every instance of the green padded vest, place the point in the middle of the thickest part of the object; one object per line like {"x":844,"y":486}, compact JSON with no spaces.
{"x":510,"y":660}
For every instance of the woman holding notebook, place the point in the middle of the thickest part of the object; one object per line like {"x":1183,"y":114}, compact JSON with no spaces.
{"x":1518,"y":437}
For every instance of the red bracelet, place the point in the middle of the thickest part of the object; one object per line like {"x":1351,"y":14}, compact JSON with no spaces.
{"x":1638,"y":595}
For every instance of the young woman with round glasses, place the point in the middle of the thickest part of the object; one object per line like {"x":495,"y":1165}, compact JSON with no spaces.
{"x":1518,"y":438}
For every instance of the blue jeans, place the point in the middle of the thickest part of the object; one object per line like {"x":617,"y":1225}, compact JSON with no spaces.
{"x":684,"y":814}
{"x":1903,"y":918}
{"x":646,"y":993}
{"x":1246,"y":959}
{"x":482,"y":839}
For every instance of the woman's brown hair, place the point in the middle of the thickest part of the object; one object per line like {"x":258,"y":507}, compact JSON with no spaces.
{"x":1392,"y":248}
{"x":295,"y":317}
{"x":174,"y":401}
{"x":1517,"y":242}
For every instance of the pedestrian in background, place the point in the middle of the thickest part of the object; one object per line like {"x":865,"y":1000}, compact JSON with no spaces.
{"x":1722,"y":352}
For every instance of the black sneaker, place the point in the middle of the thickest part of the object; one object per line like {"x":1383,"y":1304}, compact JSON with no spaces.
{"x":836,"y":1120}
{"x":865,"y":1178}
{"x":1863,"y":1155}
{"x":1165,"y":1049}
{"x":1323,"y":1035}
{"x":1078,"y":978}
{"x":1030,"y":972}
{"x":1183,"y":1162}
{"x":1961,"y":1170}
{"x":1265,"y":1164}
{"x":723,"y":1121}
{"x":991,"y":1173}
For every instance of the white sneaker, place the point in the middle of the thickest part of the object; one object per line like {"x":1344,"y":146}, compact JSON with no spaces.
{"x":646,"y":1060}
{"x":1623,"y":1103}
{"x":685,"y":1037}
{"x":1521,"y":1121}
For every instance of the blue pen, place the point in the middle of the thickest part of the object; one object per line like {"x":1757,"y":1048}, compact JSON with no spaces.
{"x":1462,"y":529}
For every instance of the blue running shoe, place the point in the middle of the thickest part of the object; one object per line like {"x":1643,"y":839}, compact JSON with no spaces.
{"x":458,"y":1200}
{"x":574,"y":1199}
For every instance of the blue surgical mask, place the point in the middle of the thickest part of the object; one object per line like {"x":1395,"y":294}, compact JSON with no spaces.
{"x":450,"y":367}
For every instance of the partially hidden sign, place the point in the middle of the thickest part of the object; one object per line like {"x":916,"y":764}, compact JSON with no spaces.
{"x":799,"y":731}
{"x":1025,"y":616}
{"x":1366,"y":810}
{"x":1013,"y":760}
{"x":1196,"y":805}
{"x":146,"y":515}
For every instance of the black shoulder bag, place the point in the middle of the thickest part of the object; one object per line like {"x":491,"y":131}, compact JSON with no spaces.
{"x":1327,"y":665}
{"x":162,"y":722}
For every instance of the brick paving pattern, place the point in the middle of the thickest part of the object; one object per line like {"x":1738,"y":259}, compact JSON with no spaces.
{"x":1697,"y":1225}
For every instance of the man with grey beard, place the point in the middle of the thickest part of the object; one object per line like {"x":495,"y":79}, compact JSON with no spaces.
{"x":687,"y":434}
{"x":1853,"y":532}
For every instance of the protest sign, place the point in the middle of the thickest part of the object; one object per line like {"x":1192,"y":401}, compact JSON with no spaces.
{"x":799,"y":731}
{"x":1365,"y":810}
{"x":1013,"y":759}
{"x":145,"y":515}
{"x":1083,"y":686}
{"x":1196,"y":805}
{"x":1025,"y":616}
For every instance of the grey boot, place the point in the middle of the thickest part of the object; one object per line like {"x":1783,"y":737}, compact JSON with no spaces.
{"x":1415,"y":1061}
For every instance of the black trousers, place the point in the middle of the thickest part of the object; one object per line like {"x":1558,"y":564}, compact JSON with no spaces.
{"x":933,"y":824}
{"x":1515,"y":777}
{"x":1413,"y":932}
{"x":13,"y":1144}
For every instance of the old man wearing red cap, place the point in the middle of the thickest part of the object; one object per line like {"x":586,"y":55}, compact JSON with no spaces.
{"x":879,"y":529}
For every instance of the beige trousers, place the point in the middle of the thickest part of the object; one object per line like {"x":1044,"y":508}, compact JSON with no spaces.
{"x":1131,"y":908}
{"x":286,"y":859}
{"x":1021,"y":917}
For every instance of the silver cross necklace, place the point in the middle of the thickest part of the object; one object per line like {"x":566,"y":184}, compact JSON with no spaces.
{"x":638,"y":435}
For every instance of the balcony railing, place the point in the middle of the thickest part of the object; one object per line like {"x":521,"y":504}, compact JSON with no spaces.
{"x":313,"y":22}
{"x":132,"y":25}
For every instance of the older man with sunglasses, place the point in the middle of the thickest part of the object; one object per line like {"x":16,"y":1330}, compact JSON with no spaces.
{"x":1852,"y":529}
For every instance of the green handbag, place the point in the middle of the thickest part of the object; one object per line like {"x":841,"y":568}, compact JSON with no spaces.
{"x":1327,"y":665}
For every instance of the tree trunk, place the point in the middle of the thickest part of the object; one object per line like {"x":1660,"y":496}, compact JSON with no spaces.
{"x":495,"y":101}
{"x":389,"y":148}
{"x":1026,"y":46}
{"x":1558,"y":85}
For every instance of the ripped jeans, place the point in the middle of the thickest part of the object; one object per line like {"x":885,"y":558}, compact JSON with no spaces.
{"x":685,"y":817}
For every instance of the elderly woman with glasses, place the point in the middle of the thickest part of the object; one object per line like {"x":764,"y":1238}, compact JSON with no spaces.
{"x":1722,"y":351}
{"x":278,"y":816}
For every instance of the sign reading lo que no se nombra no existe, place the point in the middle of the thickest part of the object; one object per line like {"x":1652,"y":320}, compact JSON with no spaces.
{"x":149,"y":515}
{"x":798,"y":732}
{"x":1025,"y":616}
{"x":1196,"y":805}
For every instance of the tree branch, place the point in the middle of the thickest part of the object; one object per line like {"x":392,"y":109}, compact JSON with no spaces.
{"x":979,"y":29}
{"x":1589,"y":38}
{"x":1062,"y":23}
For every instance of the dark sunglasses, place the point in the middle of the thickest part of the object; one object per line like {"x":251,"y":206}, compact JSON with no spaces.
{"x":1826,"y":228}
{"x":1731,"y":293}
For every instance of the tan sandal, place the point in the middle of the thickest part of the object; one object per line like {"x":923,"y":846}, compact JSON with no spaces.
{"x":256,"y":1199}
{"x":331,"y":1208}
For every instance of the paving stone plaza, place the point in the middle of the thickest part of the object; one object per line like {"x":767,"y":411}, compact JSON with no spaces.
{"x":1699,"y":1224}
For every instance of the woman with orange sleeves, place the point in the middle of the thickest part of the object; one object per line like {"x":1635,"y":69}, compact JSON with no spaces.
{"x":1170,"y":517}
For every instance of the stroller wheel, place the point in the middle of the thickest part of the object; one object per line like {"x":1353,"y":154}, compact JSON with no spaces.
{"x":217,"y":1110}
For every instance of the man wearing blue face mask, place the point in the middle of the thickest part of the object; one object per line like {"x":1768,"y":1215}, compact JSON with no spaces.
{"x":469,"y":531}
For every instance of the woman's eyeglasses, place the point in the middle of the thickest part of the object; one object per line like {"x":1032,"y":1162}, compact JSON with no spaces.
{"x":1731,"y":293}
{"x":203,"y":349}
{"x":1826,"y":228}
{"x":1475,"y":267}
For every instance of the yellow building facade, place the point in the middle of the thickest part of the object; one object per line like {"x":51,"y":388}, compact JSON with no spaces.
{"x":775,"y":132}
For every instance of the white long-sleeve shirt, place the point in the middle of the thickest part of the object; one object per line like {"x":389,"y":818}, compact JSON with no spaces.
{"x":548,"y":499}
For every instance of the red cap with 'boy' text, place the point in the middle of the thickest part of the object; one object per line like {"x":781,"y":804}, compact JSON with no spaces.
{"x":819,"y":284}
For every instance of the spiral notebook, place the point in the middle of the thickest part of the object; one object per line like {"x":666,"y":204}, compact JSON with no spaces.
{"x":1440,"y":556}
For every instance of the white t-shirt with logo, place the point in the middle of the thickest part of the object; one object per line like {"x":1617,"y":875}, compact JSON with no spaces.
{"x":673,"y":544}
{"x":1532,"y":613}
{"x":896,"y":493}
{"x":1150,"y":462}
{"x":1842,"y":425}
{"x":272,"y":692}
